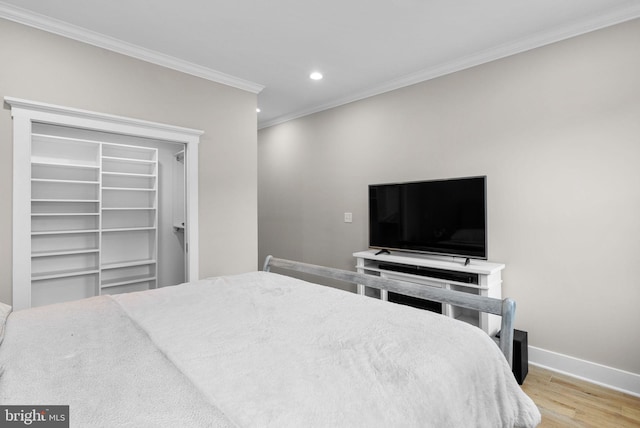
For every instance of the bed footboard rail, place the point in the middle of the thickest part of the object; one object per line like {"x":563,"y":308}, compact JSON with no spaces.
{"x":505,"y":308}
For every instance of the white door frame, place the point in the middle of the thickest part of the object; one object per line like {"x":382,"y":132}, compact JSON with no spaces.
{"x":24,"y":114}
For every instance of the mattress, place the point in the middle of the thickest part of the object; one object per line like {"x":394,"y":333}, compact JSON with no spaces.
{"x":257,"y":350}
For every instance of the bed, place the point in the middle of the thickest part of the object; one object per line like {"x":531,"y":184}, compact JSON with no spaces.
{"x":262,"y":349}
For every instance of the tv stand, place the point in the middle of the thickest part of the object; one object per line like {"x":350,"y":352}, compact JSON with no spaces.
{"x":471,"y":276}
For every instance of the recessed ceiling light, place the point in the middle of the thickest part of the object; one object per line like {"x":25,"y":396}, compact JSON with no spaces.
{"x":315,"y":75}
{"x":257,"y":110}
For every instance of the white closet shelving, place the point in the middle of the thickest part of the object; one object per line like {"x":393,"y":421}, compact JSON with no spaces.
{"x":93,"y":218}
{"x":65,"y":218}
{"x":129,"y":219}
{"x":80,"y":178}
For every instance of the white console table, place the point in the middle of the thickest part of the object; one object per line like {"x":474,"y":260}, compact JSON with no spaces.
{"x":477,"y":277}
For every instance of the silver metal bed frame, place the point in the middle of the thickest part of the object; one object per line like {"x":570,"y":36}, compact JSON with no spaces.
{"x":505,"y":308}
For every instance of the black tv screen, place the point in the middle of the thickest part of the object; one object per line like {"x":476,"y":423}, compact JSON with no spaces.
{"x":445,"y":217}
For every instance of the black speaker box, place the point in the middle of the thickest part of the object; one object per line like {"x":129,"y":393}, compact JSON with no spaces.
{"x":520,"y":364}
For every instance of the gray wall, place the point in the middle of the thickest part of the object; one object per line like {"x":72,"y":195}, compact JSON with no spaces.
{"x":43,"y":67}
{"x":557,"y":132}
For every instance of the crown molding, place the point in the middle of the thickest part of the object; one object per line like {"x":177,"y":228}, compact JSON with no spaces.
{"x":41,"y":22}
{"x":627,"y":13}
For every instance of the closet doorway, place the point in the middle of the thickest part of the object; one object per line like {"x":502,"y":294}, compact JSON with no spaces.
{"x":102,"y":204}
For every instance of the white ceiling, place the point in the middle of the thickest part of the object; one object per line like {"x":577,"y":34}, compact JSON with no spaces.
{"x":363,"y":47}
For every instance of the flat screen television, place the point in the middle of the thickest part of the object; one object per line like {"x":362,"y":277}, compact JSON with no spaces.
{"x":446,"y":217}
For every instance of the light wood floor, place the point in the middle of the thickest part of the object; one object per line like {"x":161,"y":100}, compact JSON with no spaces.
{"x":568,"y":402}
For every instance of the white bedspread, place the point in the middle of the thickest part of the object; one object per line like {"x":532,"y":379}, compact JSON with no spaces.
{"x":257,"y":350}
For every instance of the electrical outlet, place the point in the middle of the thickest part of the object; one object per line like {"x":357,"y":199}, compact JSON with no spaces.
{"x":348,"y":217}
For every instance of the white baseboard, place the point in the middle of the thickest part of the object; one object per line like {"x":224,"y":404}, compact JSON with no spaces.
{"x":609,"y":377}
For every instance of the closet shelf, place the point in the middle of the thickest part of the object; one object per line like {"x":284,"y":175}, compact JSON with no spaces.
{"x":58,"y":214}
{"x":64,"y":232}
{"x":127,"y":229}
{"x":37,"y":135}
{"x":63,"y":252}
{"x":53,"y":180}
{"x":127,"y":280}
{"x":66,"y":164}
{"x":129,"y":189}
{"x":64,"y":274}
{"x":128,"y":174}
{"x":66,"y":200}
{"x":128,"y":160}
{"x":130,"y":263}
{"x":128,"y":209}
